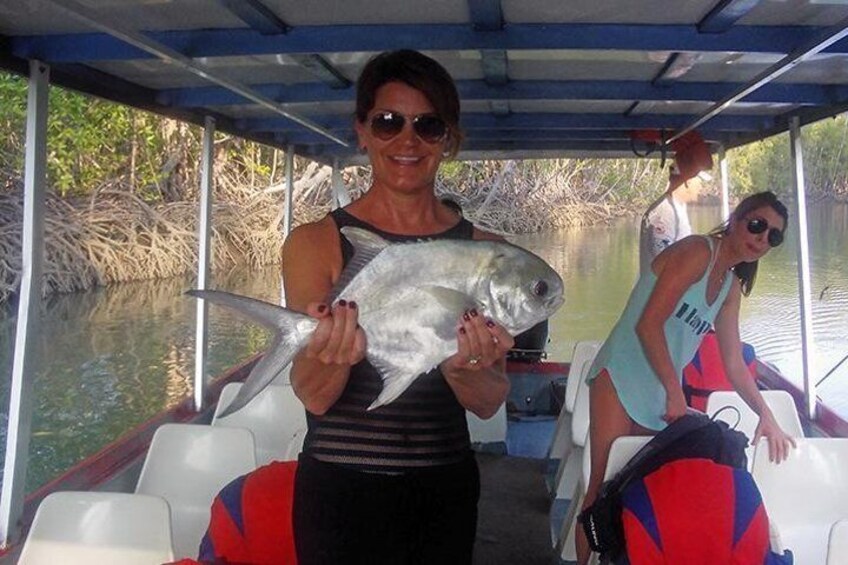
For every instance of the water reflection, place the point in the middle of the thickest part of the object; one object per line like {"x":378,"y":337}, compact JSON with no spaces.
{"x":111,"y":358}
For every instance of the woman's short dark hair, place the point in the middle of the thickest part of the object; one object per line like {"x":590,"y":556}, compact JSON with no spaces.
{"x":747,"y":272}
{"x":421,"y":73}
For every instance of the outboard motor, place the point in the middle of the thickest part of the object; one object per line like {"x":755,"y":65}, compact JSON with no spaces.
{"x":530,"y":345}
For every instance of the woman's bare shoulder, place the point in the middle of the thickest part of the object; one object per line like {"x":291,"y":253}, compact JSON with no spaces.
{"x":690,"y":254}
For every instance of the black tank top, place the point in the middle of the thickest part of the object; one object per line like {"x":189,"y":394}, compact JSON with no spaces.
{"x":424,"y":427}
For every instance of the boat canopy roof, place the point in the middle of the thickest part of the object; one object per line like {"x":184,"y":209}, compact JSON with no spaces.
{"x":538,"y":79}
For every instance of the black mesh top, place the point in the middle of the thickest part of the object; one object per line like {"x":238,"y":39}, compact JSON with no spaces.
{"x":424,"y":427}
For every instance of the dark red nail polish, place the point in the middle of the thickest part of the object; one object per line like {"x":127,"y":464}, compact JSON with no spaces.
{"x":473,"y":312}
{"x":466,"y":316}
{"x":351,"y":305}
{"x":322,"y":308}
{"x":462,"y":331}
{"x":490,"y":324}
{"x":342,"y":302}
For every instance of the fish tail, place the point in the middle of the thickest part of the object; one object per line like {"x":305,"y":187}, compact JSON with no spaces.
{"x":292,"y":330}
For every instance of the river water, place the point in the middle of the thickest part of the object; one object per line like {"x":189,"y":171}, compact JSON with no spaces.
{"x":111,"y":358}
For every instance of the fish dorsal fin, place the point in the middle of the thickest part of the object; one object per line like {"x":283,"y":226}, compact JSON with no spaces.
{"x":366,"y":246}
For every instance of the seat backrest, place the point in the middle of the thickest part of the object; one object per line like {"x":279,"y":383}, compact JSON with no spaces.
{"x":837,"y":543}
{"x":296,"y":444}
{"x":273,"y":416}
{"x":284,"y":378}
{"x":780,"y":402}
{"x":187,"y":465}
{"x":581,"y":360}
{"x":805,"y":494}
{"x":622,"y":450}
{"x":91,"y":528}
{"x":492,"y":430}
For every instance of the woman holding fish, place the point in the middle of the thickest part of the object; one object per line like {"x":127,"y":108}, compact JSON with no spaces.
{"x":693,"y":285}
{"x":377,"y":482}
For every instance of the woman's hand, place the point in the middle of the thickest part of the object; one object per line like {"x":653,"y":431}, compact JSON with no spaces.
{"x":779,"y":441}
{"x":480,"y":344}
{"x":675,"y":404}
{"x":338,"y":339}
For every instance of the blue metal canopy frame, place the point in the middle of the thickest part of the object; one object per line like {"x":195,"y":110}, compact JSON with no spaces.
{"x":683,"y":77}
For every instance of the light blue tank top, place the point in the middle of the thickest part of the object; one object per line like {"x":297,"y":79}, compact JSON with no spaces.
{"x":637,"y":384}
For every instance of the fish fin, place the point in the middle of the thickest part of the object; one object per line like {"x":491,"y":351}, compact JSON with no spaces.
{"x":273,"y":362}
{"x":288,"y":339}
{"x":366,"y":246}
{"x":265,"y":313}
{"x":395,"y":381}
{"x":452,"y":300}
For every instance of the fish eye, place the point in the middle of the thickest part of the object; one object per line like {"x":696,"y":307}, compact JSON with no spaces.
{"x":540,"y":288}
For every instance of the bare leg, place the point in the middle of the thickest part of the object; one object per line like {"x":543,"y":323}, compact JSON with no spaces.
{"x":607,"y":421}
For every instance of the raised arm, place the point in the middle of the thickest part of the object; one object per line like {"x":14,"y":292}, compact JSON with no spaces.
{"x":730,"y":345}
{"x":311,"y":264}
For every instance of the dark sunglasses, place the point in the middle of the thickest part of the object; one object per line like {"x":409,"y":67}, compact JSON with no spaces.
{"x":429,"y":127}
{"x":759,"y":225}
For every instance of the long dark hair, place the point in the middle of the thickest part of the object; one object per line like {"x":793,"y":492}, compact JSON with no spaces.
{"x":421,"y":73}
{"x":747,"y":272}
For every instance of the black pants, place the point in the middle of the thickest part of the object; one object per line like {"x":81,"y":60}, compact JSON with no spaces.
{"x":426,"y":517}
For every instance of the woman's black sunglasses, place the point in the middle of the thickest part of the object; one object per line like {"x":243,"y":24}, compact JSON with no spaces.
{"x":429,"y":127}
{"x":759,"y":225}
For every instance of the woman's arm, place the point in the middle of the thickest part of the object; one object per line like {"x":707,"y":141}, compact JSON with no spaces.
{"x":677,"y":268}
{"x":730,"y":345}
{"x":311,"y":264}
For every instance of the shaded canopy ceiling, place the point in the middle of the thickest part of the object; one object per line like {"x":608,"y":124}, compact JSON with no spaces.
{"x":544,"y":78}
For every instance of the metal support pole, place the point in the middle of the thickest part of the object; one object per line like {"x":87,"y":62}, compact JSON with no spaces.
{"x":204,"y":243}
{"x":341,"y":197}
{"x":724,"y":170}
{"x":32,"y":262}
{"x":806,"y":303}
{"x":287,"y":218}
{"x":287,"y":213}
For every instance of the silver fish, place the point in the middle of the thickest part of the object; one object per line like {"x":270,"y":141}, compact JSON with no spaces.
{"x":410,"y":297}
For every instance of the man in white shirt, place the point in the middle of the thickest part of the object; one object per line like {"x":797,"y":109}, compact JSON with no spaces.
{"x":667,"y":218}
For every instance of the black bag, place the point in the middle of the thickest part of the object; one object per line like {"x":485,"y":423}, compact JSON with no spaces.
{"x":694,"y":435}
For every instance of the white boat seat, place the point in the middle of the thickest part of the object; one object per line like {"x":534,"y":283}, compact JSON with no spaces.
{"x":187,"y":465}
{"x":837,"y":543}
{"x":805,"y":494}
{"x":581,"y":360}
{"x":488,"y":431}
{"x":621,"y":451}
{"x":565,"y":453}
{"x":273,"y":416}
{"x":99,"y":528}
{"x":296,"y":444}
{"x":780,"y":402}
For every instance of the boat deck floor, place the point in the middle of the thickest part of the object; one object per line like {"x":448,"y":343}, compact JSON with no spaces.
{"x":513,"y":526}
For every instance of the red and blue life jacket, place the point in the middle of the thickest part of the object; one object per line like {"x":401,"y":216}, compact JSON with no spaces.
{"x":697,"y":511}
{"x":705,"y":373}
{"x":251,"y":519}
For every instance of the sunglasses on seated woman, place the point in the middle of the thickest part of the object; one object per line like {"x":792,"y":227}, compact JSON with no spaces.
{"x":759,"y":225}
{"x":429,"y":127}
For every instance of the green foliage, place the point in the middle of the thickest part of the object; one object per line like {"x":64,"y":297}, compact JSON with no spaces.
{"x":94,"y":143}
{"x":766,"y":165}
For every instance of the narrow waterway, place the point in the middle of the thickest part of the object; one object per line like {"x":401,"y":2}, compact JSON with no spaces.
{"x":111,"y":358}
